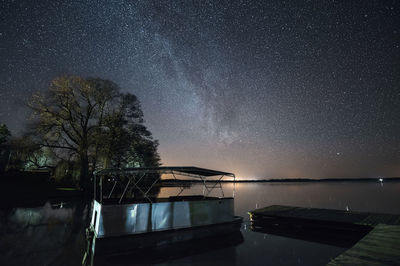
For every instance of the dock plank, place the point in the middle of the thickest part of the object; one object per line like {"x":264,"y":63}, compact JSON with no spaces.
{"x":374,"y":249}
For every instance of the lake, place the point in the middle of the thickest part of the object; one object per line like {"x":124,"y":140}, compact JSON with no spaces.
{"x":36,"y":235}
{"x":262,"y":249}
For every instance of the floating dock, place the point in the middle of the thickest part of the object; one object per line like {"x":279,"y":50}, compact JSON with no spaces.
{"x":376,"y":237}
{"x":324,"y":215}
{"x":380,"y":247}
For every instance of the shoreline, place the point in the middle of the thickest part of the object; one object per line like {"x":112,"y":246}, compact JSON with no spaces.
{"x":291,"y":180}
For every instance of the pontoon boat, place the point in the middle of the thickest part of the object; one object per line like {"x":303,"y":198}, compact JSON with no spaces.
{"x":128,"y":212}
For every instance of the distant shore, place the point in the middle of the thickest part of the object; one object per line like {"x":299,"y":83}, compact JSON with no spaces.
{"x":291,"y":180}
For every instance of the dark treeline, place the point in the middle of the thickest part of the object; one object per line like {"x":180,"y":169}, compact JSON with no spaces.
{"x":289,"y":180}
{"x":80,"y":125}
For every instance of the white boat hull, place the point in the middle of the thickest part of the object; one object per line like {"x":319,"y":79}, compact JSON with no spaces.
{"x":139,"y":218}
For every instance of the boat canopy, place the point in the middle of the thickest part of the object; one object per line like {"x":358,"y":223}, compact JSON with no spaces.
{"x":179,"y":170}
{"x":122,"y":182}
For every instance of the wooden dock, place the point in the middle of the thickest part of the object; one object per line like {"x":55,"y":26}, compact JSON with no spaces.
{"x":377,"y":235}
{"x":380,"y":247}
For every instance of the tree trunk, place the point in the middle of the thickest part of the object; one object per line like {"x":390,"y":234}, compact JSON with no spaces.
{"x":83,"y":182}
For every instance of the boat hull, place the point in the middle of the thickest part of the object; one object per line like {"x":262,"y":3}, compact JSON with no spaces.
{"x":113,"y":220}
{"x":128,"y":243}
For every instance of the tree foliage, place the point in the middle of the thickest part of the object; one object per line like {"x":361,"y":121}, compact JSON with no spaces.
{"x":5,"y":134}
{"x":91,"y":121}
{"x":27,"y":154}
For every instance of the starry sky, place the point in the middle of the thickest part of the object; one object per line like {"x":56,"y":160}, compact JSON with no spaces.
{"x":266,"y":89}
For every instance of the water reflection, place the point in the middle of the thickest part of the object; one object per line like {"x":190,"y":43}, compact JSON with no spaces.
{"x":325,"y":235}
{"x":357,"y":196}
{"x":288,"y":246}
{"x":223,"y":247}
{"x":268,"y":249}
{"x":52,"y":234}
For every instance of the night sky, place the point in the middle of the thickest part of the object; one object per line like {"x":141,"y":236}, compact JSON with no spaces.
{"x":266,"y":89}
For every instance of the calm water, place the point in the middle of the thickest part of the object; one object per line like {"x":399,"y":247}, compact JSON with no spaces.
{"x":43,"y":235}
{"x":263,"y":249}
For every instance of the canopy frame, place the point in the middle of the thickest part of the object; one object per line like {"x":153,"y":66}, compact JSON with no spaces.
{"x":131,"y":175}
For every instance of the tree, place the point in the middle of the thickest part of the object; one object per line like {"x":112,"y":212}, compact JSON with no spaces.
{"x":126,"y":141}
{"x":90,"y":120}
{"x":27,"y":154}
{"x":5,"y":134}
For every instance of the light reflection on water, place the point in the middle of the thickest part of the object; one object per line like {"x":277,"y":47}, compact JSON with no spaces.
{"x":263,"y":249}
{"x":357,"y":196}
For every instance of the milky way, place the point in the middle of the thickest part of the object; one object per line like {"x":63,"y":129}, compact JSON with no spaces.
{"x":267,"y":89}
